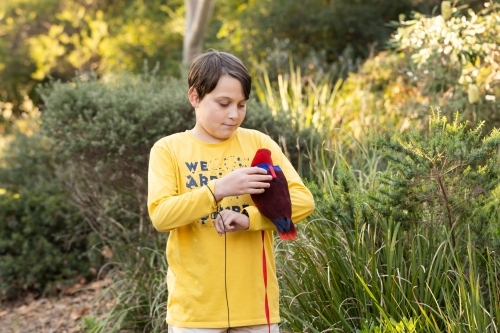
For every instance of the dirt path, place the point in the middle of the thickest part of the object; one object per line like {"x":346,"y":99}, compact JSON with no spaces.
{"x":62,"y":314}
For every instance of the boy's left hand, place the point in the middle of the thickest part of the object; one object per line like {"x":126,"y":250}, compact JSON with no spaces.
{"x":229,"y":220}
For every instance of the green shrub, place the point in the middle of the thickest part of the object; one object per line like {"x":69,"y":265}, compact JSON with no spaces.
{"x":43,"y":240}
{"x":101,"y":134}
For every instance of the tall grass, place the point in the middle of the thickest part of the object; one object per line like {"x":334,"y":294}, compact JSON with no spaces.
{"x":337,"y":277}
{"x":326,"y":100}
{"x":308,"y":100}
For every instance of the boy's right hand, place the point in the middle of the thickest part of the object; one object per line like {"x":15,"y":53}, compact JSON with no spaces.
{"x":251,"y":180}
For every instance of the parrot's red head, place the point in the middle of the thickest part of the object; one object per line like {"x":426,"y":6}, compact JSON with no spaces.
{"x":262,"y":155}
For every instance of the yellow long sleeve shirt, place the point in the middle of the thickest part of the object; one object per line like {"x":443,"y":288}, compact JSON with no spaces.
{"x":216,"y":281}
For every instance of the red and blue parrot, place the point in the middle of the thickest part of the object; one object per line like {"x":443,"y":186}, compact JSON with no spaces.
{"x":275,"y":203}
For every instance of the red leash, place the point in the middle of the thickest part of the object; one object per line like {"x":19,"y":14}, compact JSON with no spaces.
{"x":264,"y":271}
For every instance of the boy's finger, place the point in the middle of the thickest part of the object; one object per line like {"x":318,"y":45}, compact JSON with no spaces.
{"x":259,"y":186}
{"x":228,"y":225}
{"x":258,"y":170}
{"x":217,"y":226}
{"x":261,"y":178}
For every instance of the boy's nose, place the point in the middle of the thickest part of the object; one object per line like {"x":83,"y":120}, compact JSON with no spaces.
{"x":233,"y":112}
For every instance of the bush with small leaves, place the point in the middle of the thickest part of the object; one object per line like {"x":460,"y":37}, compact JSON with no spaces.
{"x":43,"y":240}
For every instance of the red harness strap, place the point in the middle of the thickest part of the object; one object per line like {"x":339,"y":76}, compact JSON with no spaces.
{"x":271,"y":170}
{"x":264,"y":271}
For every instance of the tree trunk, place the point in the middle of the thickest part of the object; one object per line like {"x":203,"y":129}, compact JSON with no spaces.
{"x":198,"y":13}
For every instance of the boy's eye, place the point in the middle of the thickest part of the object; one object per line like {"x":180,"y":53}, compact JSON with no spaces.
{"x":227,"y":104}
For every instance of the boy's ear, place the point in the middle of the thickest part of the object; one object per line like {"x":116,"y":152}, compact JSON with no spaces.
{"x":193,"y":97}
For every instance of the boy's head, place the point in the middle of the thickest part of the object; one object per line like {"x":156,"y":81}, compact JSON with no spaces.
{"x":207,"y":69}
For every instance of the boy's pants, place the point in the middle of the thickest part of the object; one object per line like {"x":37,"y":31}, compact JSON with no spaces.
{"x":245,"y":329}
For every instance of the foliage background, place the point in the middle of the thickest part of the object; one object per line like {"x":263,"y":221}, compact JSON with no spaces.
{"x":55,"y":38}
{"x":350,"y":90}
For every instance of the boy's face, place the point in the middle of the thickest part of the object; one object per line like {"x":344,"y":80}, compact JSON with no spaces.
{"x":220,"y":112}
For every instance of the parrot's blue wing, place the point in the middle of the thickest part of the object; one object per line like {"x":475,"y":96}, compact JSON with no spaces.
{"x":283,"y":225}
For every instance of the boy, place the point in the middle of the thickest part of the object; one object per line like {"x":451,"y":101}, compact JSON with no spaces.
{"x":199,"y":183}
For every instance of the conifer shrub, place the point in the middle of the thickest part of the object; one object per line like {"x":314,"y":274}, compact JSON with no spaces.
{"x":448,"y":178}
{"x":43,"y":240}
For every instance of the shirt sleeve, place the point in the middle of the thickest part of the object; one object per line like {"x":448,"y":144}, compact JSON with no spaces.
{"x":168,"y":209}
{"x":300,"y":196}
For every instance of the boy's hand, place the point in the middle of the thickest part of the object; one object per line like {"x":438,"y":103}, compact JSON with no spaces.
{"x":252,"y":180}
{"x":229,"y":220}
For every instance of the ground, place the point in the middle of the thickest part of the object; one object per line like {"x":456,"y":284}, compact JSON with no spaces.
{"x":62,"y":314}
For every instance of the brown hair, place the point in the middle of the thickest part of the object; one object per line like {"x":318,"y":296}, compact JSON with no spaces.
{"x":207,"y":68}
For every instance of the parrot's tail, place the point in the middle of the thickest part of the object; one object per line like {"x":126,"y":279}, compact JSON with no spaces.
{"x":290,"y":234}
{"x":286,"y":229}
